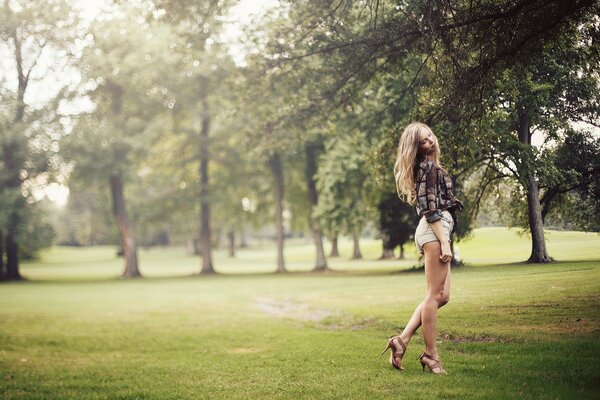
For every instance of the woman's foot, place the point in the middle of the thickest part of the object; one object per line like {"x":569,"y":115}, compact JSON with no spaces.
{"x":398,"y":349}
{"x":434,"y":364}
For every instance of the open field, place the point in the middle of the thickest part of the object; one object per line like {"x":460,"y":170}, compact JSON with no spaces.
{"x":487,"y":246}
{"x":510,"y":331}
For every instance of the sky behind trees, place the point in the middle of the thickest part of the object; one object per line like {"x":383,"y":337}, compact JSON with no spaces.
{"x":242,"y":15}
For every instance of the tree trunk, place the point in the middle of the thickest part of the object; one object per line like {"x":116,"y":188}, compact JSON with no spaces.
{"x":539,"y":253}
{"x":401,"y":256}
{"x":10,"y":242}
{"x":356,"y":253}
{"x":334,"y":247}
{"x":12,"y":257}
{"x":205,"y":232}
{"x":387,"y":247}
{"x":128,"y":243}
{"x":231,"y":242}
{"x":454,"y":262}
{"x":13,"y":163}
{"x":387,"y":254}
{"x":277,"y":170}
{"x":311,"y":169}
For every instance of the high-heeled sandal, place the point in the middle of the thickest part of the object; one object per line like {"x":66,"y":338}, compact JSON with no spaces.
{"x":397,"y":351}
{"x":435,"y":367}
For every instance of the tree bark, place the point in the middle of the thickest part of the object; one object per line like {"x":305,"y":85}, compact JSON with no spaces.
{"x":310,"y":150}
{"x":454,"y":262}
{"x":231,"y":242}
{"x":539,"y":253}
{"x":13,"y":163}
{"x":128,"y":242}
{"x":12,"y":257}
{"x":334,"y":247}
{"x":356,"y":254}
{"x":205,"y":232}
{"x":22,"y":77}
{"x":14,"y":220}
{"x":277,"y":170}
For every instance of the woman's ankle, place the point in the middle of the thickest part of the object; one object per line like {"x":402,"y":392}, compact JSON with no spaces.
{"x":432,"y":353}
{"x":404,"y":338}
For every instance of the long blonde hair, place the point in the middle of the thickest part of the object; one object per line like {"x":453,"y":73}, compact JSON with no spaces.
{"x":406,"y":159}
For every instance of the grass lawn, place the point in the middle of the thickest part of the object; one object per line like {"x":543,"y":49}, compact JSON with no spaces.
{"x":76,"y":331}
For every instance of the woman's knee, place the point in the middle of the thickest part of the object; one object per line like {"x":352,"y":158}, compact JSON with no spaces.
{"x":445,"y":299}
{"x":441,"y":298}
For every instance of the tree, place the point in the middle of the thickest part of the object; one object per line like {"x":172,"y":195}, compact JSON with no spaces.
{"x":574,"y":192}
{"x":30,"y":31}
{"x":556,"y":84}
{"x":121,"y":70}
{"x":343,"y":183}
{"x":198,"y":25}
{"x":467,"y":51}
{"x":397,"y":221}
{"x":311,"y":151}
{"x":86,"y":219}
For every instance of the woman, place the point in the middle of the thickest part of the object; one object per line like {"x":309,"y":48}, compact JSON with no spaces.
{"x":421,"y":181}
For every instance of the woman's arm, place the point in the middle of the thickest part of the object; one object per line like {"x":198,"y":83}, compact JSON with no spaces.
{"x":427,"y":194}
{"x":438,"y":229}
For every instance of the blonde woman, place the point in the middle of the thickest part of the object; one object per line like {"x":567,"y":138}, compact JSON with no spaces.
{"x":420,"y":180}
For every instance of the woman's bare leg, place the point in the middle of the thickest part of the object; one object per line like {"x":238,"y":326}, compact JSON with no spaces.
{"x":435,"y":273}
{"x":415,"y":321}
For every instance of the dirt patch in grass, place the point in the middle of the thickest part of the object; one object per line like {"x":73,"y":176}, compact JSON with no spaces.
{"x":318,"y":318}
{"x":287,"y":308}
{"x":350,"y":323}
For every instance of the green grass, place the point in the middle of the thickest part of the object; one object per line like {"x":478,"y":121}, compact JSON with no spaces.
{"x":76,"y":331}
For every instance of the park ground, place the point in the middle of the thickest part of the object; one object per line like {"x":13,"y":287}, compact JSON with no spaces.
{"x":74,"y":330}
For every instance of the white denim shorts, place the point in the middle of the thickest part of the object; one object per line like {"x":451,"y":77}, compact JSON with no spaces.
{"x":425,"y":234}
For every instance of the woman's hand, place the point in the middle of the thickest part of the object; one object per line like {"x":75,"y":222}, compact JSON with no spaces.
{"x":446,"y":255}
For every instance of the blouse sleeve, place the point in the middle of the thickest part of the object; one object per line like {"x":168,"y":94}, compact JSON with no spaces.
{"x":427,"y":192}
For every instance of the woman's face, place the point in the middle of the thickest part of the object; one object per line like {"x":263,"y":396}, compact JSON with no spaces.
{"x":427,"y":143}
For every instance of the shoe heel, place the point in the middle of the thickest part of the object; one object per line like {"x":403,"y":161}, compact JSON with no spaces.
{"x":420,"y":359}
{"x":435,"y":366}
{"x":384,"y":350}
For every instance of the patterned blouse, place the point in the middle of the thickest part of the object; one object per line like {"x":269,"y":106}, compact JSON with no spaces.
{"x":433,"y":188}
